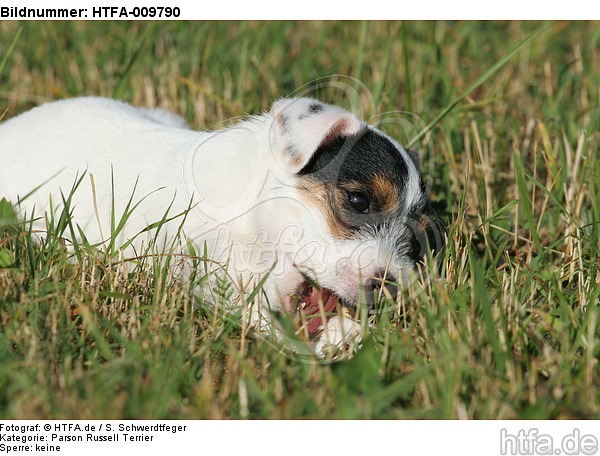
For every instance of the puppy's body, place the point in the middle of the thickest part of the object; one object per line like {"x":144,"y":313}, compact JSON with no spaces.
{"x":52,"y":145}
{"x":306,"y":189}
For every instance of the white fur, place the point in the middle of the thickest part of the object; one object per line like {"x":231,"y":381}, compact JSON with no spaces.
{"x":341,"y":336}
{"x":238,"y":182}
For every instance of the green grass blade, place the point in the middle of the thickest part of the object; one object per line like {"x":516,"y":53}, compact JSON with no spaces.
{"x":478,"y":82}
{"x":483,"y":301}
{"x":525,"y":203}
{"x":408,"y":87}
{"x":10,"y":49}
{"x":260,"y":284}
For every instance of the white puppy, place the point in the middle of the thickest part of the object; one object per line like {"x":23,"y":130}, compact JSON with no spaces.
{"x":306,"y":193}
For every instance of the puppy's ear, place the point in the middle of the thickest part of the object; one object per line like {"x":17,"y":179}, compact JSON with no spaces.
{"x":302,"y":125}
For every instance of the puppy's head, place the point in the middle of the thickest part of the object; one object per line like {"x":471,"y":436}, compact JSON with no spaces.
{"x":364,"y":202}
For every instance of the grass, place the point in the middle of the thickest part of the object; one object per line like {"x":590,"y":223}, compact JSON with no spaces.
{"x":507,"y":327}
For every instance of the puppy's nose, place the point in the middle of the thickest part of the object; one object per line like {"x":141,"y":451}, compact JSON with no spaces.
{"x":376,"y":287}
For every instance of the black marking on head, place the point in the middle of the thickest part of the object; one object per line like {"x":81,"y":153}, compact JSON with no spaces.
{"x":357,"y":158}
{"x":422,"y":185}
{"x":422,"y":205}
{"x":314,"y":108}
{"x":367,"y":163}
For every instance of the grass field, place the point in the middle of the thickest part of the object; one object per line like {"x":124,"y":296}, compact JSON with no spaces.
{"x":508,"y":327}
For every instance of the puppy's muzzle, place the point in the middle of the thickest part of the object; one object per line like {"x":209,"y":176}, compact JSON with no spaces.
{"x":380,"y":289}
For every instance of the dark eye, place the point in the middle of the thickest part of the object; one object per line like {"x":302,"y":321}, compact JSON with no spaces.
{"x":359,"y":202}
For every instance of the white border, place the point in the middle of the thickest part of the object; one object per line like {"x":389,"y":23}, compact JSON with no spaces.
{"x":291,"y":438}
{"x":371,"y":9}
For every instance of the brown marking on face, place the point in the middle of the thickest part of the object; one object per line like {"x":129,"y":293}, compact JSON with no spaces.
{"x":328,"y":200}
{"x":423,"y":223}
{"x":332,"y":201}
{"x":282,"y":121}
{"x":386,"y":193}
{"x":337,"y":130}
{"x":296,"y":161}
{"x":353,"y":186}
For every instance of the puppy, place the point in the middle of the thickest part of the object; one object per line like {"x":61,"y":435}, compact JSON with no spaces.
{"x":316,"y":206}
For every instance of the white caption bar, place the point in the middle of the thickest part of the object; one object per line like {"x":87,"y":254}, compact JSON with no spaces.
{"x":299,"y":437}
{"x":310,"y":9}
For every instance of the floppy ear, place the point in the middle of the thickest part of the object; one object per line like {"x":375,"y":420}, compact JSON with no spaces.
{"x":302,"y":125}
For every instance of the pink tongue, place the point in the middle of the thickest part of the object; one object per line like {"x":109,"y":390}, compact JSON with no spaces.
{"x":312,"y":311}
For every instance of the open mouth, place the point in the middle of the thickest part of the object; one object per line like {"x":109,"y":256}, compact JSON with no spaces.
{"x":314,"y":306}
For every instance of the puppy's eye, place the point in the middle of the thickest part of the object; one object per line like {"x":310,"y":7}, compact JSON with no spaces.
{"x":359,"y":202}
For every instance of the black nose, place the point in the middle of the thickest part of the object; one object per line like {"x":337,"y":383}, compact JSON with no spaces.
{"x":380,"y":286}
